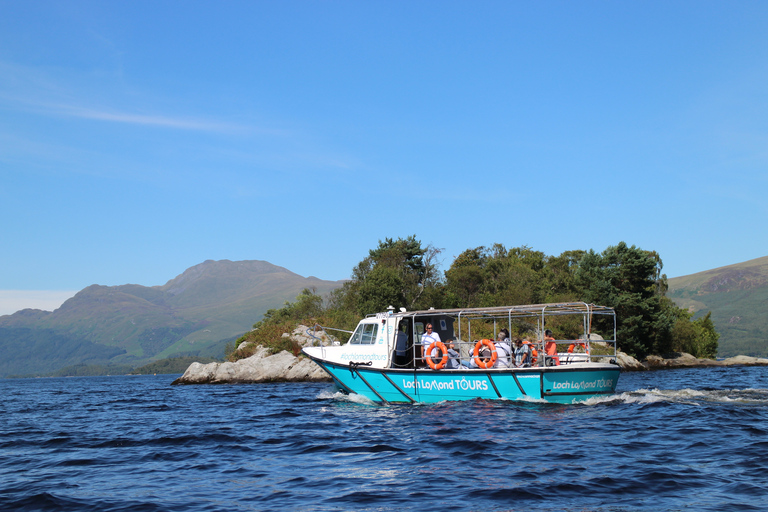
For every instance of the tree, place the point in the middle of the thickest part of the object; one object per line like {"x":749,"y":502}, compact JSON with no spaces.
{"x":629,"y":279}
{"x":402,"y":273}
{"x":464,"y":280}
{"x":494,"y":276}
{"x":399,"y":273}
{"x":708,"y":336}
{"x":559,"y":273}
{"x":308,"y":304}
{"x":696,"y":337}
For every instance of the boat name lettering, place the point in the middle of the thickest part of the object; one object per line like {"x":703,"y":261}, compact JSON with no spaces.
{"x":595,"y":384}
{"x":361,"y":356}
{"x":435,"y":385}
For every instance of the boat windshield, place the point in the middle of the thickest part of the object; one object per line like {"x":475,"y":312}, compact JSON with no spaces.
{"x":365,"y":334}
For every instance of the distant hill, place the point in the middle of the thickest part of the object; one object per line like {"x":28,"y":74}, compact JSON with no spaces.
{"x":194,"y":314}
{"x":737,"y":296}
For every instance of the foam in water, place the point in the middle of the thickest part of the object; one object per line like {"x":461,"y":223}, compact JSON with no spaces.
{"x":344,"y":397}
{"x":685,"y":396}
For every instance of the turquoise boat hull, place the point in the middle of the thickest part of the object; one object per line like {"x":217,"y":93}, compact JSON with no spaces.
{"x":559,"y":384}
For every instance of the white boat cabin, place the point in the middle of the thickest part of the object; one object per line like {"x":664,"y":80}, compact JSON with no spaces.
{"x":394,"y":340}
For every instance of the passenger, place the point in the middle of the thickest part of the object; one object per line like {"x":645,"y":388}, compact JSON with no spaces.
{"x":401,"y":344}
{"x":550,"y":347}
{"x":523,"y":353}
{"x":454,"y":358}
{"x":503,"y":350}
{"x":484,"y":354}
{"x":534,"y":352}
{"x":427,"y":339}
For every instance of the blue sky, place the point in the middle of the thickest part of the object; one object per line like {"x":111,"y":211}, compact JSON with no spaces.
{"x":140,"y":138}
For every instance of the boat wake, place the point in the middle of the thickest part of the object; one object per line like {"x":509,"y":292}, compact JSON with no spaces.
{"x":337,"y":395}
{"x":749,"y":396}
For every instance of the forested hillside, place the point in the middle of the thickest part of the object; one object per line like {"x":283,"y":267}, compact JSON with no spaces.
{"x":737,"y":298}
{"x":195,"y":314}
{"x":403,"y":273}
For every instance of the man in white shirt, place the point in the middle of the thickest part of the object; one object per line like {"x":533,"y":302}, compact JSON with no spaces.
{"x":428,"y":338}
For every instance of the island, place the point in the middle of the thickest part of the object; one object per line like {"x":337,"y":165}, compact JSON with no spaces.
{"x":264,"y":366}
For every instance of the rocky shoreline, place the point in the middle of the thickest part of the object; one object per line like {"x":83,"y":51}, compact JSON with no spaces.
{"x":285,"y":367}
{"x":683,"y":360}
{"x":262,"y":366}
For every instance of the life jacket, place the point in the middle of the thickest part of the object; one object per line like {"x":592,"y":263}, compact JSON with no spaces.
{"x":534,"y":352}
{"x":550,"y":349}
{"x":574,"y":345}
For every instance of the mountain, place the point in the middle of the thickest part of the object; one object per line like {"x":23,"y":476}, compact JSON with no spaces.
{"x":737,"y":296}
{"x":196,"y":313}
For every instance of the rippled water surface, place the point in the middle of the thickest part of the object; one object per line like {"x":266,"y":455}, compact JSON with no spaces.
{"x":668,"y":440}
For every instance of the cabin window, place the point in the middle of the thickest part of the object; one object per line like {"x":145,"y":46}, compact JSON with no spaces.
{"x":419,"y":332}
{"x":365,"y":334}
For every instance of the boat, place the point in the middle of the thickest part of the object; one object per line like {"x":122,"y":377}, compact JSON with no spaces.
{"x":387,"y":359}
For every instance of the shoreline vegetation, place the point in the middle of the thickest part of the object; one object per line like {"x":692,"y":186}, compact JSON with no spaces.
{"x":265,"y":366}
{"x":403,"y":273}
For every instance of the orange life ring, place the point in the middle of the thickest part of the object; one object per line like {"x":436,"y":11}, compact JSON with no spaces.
{"x":428,"y":354}
{"x":478,"y":361}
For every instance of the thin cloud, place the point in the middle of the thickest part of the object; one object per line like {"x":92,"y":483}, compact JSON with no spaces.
{"x":33,"y":90}
{"x":47,"y":300}
{"x":147,"y":120}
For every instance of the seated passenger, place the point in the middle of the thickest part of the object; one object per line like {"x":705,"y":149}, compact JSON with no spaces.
{"x":484,"y":354}
{"x":523,"y":354}
{"x":503,"y":351}
{"x":454,"y":358}
{"x":534,"y":352}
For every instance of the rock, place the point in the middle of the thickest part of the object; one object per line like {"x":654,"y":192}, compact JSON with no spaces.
{"x":684,"y":360}
{"x":628,"y":363}
{"x":678,"y":360}
{"x":306,"y":337}
{"x":261,"y":366}
{"x":745,"y":361}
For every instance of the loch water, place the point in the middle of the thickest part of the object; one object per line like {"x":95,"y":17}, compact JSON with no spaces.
{"x":694,"y":439}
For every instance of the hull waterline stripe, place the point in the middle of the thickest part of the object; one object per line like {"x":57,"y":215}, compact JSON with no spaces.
{"x":549,"y":393}
{"x":337,"y":381}
{"x":514,"y":376}
{"x":369,"y":386}
{"x":494,"y":385}
{"x":398,"y":388}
